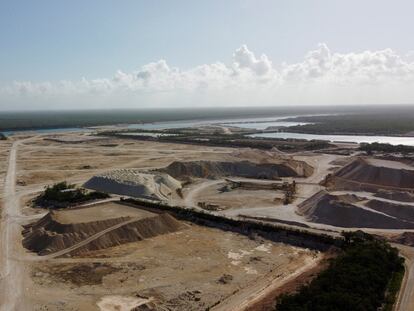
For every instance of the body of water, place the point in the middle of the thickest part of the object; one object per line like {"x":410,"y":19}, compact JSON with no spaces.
{"x":47,"y":131}
{"x":252,"y":123}
{"x":264,"y":125}
{"x":409,"y":141}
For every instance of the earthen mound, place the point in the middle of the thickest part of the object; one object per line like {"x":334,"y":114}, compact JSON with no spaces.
{"x":400,"y":211}
{"x":247,"y":169}
{"x":339,"y":211}
{"x":51,"y":235}
{"x":135,"y":183}
{"x":401,"y":196}
{"x":364,"y":174}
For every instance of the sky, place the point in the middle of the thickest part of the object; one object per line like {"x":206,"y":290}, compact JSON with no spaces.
{"x":138,"y":54}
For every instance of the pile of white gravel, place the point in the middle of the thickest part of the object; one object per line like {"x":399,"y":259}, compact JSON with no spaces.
{"x":135,"y":183}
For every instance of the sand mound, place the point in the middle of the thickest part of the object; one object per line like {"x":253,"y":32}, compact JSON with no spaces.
{"x":340,"y":212}
{"x":49,"y":235}
{"x":401,"y":196}
{"x":213,"y":170}
{"x":135,"y":183}
{"x":363,"y":173}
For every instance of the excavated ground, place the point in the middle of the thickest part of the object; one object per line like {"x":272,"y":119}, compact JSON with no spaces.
{"x":247,"y":169}
{"x":373,"y":174}
{"x":191,"y":269}
{"x":401,"y":196}
{"x":60,"y":230}
{"x":4,"y":154}
{"x":344,"y":211}
{"x":136,"y":183}
{"x":183,"y":270}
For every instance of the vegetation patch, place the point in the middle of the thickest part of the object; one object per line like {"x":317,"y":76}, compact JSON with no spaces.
{"x":377,"y":147}
{"x":2,"y":136}
{"x":365,"y":276}
{"x":61,"y":195}
{"x":390,"y":123}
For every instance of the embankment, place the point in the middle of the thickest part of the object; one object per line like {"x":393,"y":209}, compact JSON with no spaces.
{"x":247,"y":169}
{"x":307,"y":238}
{"x":48,"y":235}
{"x":339,"y":211}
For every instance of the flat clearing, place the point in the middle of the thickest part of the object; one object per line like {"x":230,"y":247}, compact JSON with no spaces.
{"x":187,"y":270}
{"x":111,"y":256}
{"x":100,"y":212}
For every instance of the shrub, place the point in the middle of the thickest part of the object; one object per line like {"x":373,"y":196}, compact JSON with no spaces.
{"x":63,"y":194}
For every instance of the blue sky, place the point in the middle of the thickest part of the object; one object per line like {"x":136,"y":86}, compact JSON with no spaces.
{"x":48,"y":41}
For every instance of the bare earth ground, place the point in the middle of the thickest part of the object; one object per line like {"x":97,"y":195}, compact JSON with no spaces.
{"x":178,"y":269}
{"x":166,"y":269}
{"x":4,"y":154}
{"x":141,"y":271}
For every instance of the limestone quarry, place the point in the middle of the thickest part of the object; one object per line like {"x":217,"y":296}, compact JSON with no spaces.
{"x":111,"y":255}
{"x":247,"y":169}
{"x":135,"y":183}
{"x":375,"y":174}
{"x":99,"y":227}
{"x":344,"y":211}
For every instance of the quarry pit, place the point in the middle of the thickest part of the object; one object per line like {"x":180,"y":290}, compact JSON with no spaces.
{"x":168,"y":263}
{"x":108,"y":256}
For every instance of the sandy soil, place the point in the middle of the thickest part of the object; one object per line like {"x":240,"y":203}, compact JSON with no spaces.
{"x":202,"y":259}
{"x":100,"y":212}
{"x":181,"y":270}
{"x":237,"y":198}
{"x":4,"y":154}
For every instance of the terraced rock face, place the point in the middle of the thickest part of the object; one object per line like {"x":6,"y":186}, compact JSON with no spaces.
{"x":51,"y":235}
{"x":135,"y":183}
{"x":363,"y":173}
{"x":343,"y":211}
{"x":213,"y":170}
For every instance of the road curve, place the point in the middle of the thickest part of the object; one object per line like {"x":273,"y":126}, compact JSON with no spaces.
{"x":86,"y":241}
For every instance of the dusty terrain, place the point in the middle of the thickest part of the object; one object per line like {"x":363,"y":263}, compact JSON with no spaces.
{"x":89,"y":273}
{"x":191,"y":269}
{"x":103,"y":258}
{"x":4,"y":153}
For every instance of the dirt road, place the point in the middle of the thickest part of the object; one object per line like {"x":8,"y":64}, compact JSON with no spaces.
{"x":190,"y":197}
{"x":84,"y":242}
{"x":247,"y":297}
{"x":12,"y":270}
{"x":405,"y":300}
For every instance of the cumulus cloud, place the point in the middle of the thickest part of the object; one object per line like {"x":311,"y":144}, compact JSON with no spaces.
{"x":245,"y":59}
{"x":323,"y":76}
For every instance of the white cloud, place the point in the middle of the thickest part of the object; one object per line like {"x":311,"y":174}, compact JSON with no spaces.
{"x":245,"y":59}
{"x":322,"y":77}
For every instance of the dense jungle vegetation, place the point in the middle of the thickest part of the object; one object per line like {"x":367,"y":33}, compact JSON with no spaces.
{"x":366,"y":276}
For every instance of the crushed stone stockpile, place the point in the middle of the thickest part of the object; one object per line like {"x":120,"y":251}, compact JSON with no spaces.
{"x":135,"y":183}
{"x":400,"y":211}
{"x":339,"y":211}
{"x":274,"y":156}
{"x":362,"y":172}
{"x":401,"y":196}
{"x":213,"y":170}
{"x":48,"y":235}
